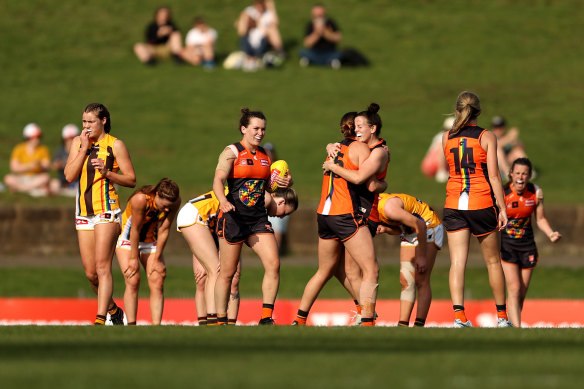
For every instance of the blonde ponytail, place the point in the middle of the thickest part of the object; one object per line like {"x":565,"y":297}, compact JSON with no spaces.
{"x":468,"y":107}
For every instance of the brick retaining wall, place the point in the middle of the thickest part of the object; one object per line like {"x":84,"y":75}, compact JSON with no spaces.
{"x":49,"y":231}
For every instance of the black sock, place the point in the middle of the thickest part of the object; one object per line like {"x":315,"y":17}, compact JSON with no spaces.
{"x":419,"y":322}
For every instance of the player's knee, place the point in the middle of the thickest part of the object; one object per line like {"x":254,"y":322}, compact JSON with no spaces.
{"x":407,"y":281}
{"x":103,"y":271}
{"x":132,"y":282}
{"x":156,"y":282}
{"x":92,"y":277}
{"x":156,"y":278}
{"x":422,"y":280}
{"x":200,"y":282}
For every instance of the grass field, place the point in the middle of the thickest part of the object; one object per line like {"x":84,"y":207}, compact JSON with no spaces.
{"x":548,"y":283}
{"x":289,"y":357}
{"x":523,"y":58}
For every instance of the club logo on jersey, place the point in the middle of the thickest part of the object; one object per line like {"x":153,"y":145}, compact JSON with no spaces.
{"x":251,"y":191}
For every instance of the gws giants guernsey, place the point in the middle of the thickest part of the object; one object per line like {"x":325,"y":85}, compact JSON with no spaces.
{"x":247,"y":181}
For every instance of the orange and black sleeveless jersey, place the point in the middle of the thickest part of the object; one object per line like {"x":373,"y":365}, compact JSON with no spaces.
{"x":339,"y":196}
{"x":247,"y":182}
{"x":96,"y":194}
{"x":412,"y":205}
{"x":374,"y":215}
{"x":468,"y":187}
{"x":149,"y":229}
{"x":519,"y":233}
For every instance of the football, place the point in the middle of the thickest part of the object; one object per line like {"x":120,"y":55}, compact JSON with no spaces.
{"x":278,"y":168}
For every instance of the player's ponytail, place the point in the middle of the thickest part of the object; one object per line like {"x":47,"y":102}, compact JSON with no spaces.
{"x":348,"y":124}
{"x":468,"y":107}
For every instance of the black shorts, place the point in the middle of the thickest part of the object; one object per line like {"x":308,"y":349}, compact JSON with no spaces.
{"x":235,"y":230}
{"x":339,"y":227}
{"x":525,"y":259}
{"x":372,"y":227}
{"x":480,"y":222}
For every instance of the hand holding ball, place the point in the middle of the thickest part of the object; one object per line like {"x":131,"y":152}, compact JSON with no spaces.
{"x":278,"y":169}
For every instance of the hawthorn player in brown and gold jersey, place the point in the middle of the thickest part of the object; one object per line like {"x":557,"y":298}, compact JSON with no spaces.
{"x":474,"y":203}
{"x":99,"y":161}
{"x":245,"y":167}
{"x":421,"y":234}
{"x":145,"y":227}
{"x":518,"y":251}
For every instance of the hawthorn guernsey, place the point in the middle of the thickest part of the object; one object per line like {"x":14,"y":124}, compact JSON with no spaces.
{"x":278,"y":168}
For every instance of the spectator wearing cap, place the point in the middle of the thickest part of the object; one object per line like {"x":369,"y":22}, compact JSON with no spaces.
{"x":509,"y":146}
{"x":60,"y":185}
{"x":29,"y":164}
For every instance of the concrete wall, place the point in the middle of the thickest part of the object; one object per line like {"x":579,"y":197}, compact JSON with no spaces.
{"x":49,"y":231}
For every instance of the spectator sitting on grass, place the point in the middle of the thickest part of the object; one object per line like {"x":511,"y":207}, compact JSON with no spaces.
{"x":509,"y":146}
{"x":60,"y":185}
{"x":163,"y":40}
{"x":320,"y":40}
{"x":257,"y":27}
{"x":29,"y":164}
{"x":200,"y":44}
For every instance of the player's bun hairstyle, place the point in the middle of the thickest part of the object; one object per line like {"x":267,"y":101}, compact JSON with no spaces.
{"x":166,"y":188}
{"x":348,"y":124}
{"x":101,"y":112}
{"x":469,"y":106}
{"x":246,"y":116}
{"x":520,"y":161}
{"x":289,"y":195}
{"x":372,"y":117}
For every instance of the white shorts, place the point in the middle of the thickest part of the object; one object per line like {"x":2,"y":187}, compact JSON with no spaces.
{"x":279,"y":224}
{"x":433,"y":235}
{"x":189,"y":215}
{"x":143,"y":248}
{"x":88,"y":223}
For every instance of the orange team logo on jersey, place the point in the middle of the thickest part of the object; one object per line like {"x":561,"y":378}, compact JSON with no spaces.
{"x":251,"y":191}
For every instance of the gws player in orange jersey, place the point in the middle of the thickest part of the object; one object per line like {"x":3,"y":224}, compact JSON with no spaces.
{"x":99,"y":161}
{"x":342,"y":220}
{"x":145,"y":227}
{"x":518,"y":251}
{"x":197,"y":221}
{"x":474,"y":204}
{"x":421,"y":235}
{"x":367,"y":129}
{"x":245,"y":167}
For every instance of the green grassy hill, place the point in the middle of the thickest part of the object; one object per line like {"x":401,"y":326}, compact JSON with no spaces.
{"x":523,"y":59}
